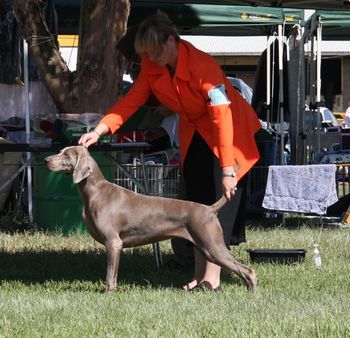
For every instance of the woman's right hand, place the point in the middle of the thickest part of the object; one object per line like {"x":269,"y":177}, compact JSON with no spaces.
{"x":88,"y":139}
{"x":93,"y":136}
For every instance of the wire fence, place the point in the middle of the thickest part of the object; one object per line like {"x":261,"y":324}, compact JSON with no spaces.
{"x":161,"y":180}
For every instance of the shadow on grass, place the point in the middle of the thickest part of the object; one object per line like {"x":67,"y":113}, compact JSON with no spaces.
{"x":32,"y":267}
{"x":293,"y":222}
{"x":138,"y":268}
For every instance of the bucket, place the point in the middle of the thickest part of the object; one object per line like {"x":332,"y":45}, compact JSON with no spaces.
{"x":56,"y":201}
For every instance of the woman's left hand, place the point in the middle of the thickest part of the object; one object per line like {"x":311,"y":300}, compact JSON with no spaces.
{"x":229,"y":186}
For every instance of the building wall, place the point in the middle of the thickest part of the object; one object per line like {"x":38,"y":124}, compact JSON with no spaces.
{"x":244,"y":68}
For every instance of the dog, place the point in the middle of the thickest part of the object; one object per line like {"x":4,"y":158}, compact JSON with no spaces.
{"x":119,"y":218}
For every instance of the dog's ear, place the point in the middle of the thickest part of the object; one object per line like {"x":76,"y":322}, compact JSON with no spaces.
{"x":83,"y":168}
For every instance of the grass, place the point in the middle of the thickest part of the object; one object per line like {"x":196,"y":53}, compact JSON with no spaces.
{"x":52,"y":286}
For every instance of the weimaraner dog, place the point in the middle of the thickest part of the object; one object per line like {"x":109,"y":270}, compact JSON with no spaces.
{"x":119,"y":218}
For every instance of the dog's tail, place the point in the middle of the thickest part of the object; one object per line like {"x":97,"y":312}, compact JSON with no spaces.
{"x":219,"y":204}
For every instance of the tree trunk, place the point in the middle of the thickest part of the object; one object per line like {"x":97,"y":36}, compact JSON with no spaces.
{"x":96,"y":83}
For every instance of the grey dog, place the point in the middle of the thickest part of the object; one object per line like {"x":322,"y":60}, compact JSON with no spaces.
{"x":119,"y":218}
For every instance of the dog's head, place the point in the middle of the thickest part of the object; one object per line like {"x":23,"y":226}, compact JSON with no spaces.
{"x":74,"y":160}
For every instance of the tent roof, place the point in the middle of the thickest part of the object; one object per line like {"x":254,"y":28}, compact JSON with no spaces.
{"x":195,"y":19}
{"x":209,"y":19}
{"x":306,"y":4}
{"x":335,"y":24}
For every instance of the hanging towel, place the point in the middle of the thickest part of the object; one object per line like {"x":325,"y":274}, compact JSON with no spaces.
{"x":301,"y":188}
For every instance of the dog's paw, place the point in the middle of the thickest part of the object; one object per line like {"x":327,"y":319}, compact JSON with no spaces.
{"x":252,"y":282}
{"x":110,"y":289}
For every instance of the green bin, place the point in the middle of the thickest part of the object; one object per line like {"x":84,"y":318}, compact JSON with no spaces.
{"x":56,"y":201}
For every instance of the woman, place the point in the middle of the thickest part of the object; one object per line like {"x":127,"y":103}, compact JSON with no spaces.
{"x":216,"y":128}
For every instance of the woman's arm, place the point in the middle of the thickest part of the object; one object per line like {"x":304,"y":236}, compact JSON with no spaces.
{"x":219,"y":109}
{"x":128,"y":104}
{"x":119,"y":112}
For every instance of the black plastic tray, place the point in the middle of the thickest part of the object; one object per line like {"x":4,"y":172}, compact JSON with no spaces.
{"x":277,"y":256}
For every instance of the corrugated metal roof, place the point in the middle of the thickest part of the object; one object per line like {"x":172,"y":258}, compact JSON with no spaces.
{"x":334,"y":47}
{"x":227,"y":45}
{"x":230,"y":46}
{"x":235,"y":46}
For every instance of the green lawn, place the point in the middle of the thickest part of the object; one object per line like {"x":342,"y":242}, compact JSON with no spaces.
{"x":52,"y":286}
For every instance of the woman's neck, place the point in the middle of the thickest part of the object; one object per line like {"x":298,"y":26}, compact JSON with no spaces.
{"x":173,"y":56}
{"x":171,"y":70}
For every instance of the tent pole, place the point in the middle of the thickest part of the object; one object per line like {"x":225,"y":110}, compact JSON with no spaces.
{"x":27,"y":122}
{"x":280,"y":68}
{"x":318,"y":87}
{"x":312,"y":102}
{"x":268,"y":82}
{"x":318,"y":65}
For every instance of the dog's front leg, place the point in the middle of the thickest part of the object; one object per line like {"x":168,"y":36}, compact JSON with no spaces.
{"x":113,"y":249}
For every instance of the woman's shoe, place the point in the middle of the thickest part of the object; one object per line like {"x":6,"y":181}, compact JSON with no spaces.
{"x":189,"y":286}
{"x":205,"y":286}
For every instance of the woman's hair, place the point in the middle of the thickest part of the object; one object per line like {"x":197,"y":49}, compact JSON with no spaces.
{"x":153,"y":32}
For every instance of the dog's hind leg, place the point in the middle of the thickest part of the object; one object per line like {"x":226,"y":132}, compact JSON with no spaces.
{"x":211,"y":243}
{"x":221,"y":256}
{"x":113,"y":250}
{"x":226,"y":261}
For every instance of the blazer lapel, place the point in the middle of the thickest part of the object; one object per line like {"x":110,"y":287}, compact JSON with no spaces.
{"x":160,"y":81}
{"x":182,"y":66}
{"x":163,"y":86}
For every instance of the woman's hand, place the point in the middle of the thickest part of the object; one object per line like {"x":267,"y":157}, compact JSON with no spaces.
{"x":229,"y":182}
{"x":229,"y":186}
{"x":88,"y":139}
{"x":92,"y":137}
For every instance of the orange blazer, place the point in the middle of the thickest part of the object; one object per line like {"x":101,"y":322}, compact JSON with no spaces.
{"x":228,"y":129}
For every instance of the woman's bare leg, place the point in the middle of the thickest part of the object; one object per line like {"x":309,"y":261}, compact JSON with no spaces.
{"x":204,"y":271}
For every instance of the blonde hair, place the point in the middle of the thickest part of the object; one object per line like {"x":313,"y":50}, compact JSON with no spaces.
{"x":153,"y":32}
